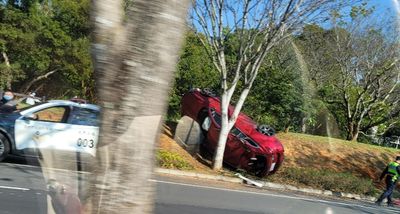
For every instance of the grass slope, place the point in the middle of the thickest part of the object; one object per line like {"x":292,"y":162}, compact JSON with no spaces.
{"x":308,"y":151}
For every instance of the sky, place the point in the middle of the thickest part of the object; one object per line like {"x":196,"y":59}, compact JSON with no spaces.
{"x":384,"y":10}
{"x":383,"y":6}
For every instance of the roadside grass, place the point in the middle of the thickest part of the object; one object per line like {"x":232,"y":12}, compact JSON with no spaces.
{"x":172,"y":160}
{"x":325,"y":180}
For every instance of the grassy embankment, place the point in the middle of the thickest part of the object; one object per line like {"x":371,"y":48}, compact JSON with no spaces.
{"x":310,"y":161}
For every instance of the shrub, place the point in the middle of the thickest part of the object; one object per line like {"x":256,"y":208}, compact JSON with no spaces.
{"x":172,"y":160}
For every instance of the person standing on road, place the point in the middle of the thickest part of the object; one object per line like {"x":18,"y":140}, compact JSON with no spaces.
{"x":392,"y":173}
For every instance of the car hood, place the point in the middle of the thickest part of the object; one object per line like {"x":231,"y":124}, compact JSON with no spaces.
{"x":6,"y":118}
{"x":267,"y":143}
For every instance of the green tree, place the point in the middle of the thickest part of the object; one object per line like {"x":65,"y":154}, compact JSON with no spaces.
{"x":359,"y":79}
{"x":195,"y":70}
{"x":46,"y":45}
{"x":277,"y":95}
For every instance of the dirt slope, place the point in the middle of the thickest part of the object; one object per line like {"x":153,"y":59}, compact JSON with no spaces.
{"x":334,"y":154}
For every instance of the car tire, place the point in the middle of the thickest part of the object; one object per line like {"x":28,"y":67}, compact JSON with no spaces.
{"x":266,"y":130}
{"x":4,"y":147}
{"x":207,"y":92}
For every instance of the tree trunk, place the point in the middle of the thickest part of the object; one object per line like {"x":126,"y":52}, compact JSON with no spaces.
{"x":349,"y":131}
{"x":355,"y":135}
{"x":9,"y":73}
{"x":303,"y":125}
{"x":219,"y":152}
{"x":353,"y":131}
{"x":287,"y":129}
{"x":135,"y":56}
{"x":223,"y":135}
{"x":227,"y":122}
{"x":356,"y":131}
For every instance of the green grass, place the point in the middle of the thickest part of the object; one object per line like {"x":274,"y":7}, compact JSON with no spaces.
{"x":172,"y":160}
{"x":336,"y":141}
{"x":326,"y":180}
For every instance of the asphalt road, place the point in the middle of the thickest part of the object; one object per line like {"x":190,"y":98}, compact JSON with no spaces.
{"x":181,"y":196}
{"x":23,"y":190}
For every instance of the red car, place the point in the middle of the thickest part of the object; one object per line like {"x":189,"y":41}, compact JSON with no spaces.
{"x":249,"y":147}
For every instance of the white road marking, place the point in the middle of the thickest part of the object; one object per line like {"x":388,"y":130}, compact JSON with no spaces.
{"x":39,"y":167}
{"x":266,"y":194}
{"x":16,"y":188}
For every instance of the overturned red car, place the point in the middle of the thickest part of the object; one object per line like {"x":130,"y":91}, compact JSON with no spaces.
{"x":249,"y":147}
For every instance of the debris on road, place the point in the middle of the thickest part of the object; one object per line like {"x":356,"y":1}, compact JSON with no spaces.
{"x":249,"y":181}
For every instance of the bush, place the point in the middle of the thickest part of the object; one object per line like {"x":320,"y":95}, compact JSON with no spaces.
{"x":171,"y":160}
{"x":328,"y":180}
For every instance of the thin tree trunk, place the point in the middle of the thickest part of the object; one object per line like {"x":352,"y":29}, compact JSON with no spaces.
{"x":303,"y":125}
{"x":37,"y":79}
{"x":223,"y":135}
{"x":356,"y":131}
{"x":350,"y":129}
{"x":9,"y":74}
{"x":355,"y":135}
{"x":287,"y":129}
{"x":135,"y":57}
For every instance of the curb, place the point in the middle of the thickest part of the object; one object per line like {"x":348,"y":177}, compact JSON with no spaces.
{"x":270,"y":185}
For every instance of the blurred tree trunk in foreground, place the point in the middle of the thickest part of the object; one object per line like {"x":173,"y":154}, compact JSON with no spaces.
{"x":135,"y":53}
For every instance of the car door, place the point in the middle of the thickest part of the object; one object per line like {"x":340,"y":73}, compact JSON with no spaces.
{"x":44,"y":129}
{"x":211,"y":125}
{"x":235,"y":147}
{"x":84,"y":129}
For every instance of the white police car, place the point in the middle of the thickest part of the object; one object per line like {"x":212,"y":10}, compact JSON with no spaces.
{"x":57,"y":125}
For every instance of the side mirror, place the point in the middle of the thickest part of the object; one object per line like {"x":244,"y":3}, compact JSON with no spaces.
{"x":31,"y":117}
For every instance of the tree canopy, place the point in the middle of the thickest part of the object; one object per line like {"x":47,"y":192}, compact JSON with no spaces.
{"x":45,"y":47}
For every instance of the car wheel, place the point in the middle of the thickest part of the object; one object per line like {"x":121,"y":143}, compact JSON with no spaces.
{"x":207,"y":92}
{"x":4,"y":147}
{"x":266,"y":130}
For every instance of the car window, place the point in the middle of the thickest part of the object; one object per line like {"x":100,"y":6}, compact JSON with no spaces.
{"x":251,"y":142}
{"x":53,"y":114}
{"x":206,"y":124}
{"x":235,"y":131}
{"x":82,"y":116}
{"x":216,"y":117}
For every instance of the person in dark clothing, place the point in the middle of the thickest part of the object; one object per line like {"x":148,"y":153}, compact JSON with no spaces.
{"x":7,"y":102}
{"x":392,"y":173}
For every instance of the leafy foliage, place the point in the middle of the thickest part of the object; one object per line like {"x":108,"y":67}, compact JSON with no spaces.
{"x":43,"y":36}
{"x":277,"y":95}
{"x":195,"y":70}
